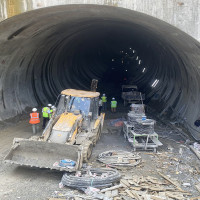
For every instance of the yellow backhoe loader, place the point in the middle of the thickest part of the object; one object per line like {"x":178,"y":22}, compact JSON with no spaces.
{"x":68,"y":138}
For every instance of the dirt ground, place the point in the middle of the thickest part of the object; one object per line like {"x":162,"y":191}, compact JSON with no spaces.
{"x":174,"y":159}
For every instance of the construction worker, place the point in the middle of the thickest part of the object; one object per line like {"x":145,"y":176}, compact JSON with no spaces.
{"x":104,"y":101}
{"x":113,"y":105}
{"x":100,"y":105}
{"x":52,"y":111}
{"x":34,"y":120}
{"x":45,"y":114}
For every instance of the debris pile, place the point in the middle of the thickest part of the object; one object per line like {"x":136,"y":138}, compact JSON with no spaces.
{"x":140,"y":187}
{"x":135,"y":187}
{"x":119,"y":158}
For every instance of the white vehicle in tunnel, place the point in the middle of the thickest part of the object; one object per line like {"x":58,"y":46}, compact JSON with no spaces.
{"x":130,"y":94}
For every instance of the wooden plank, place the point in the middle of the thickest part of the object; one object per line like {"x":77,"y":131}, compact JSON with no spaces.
{"x":132,"y":182}
{"x":112,"y":188}
{"x":125,"y":182}
{"x":129,"y":193}
{"x":137,"y":196}
{"x":172,"y":182}
{"x":195,"y":198}
{"x":198,"y":171}
{"x":116,"y":198}
{"x":198,"y":187}
{"x":157,"y":197}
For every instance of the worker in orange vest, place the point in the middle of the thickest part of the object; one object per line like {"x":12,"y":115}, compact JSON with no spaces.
{"x":34,"y":120}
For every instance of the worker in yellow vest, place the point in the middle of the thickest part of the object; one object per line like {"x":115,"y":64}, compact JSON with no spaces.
{"x":113,"y":105}
{"x":45,"y":114}
{"x":104,"y":102}
{"x":34,"y":120}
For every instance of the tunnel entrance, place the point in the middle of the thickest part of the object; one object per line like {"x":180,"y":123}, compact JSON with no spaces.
{"x":47,"y":50}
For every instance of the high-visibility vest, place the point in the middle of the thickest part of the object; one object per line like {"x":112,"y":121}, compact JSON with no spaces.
{"x":45,"y":112}
{"x":50,"y":115}
{"x":34,"y":118}
{"x":104,"y":99}
{"x":113,"y":104}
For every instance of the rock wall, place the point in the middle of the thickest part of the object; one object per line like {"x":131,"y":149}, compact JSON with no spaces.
{"x":183,"y":14}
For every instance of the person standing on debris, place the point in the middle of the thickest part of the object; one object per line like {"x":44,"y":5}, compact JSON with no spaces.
{"x":104,"y":101}
{"x":113,"y":105}
{"x":45,"y":113}
{"x":34,"y":120}
{"x":100,"y":105}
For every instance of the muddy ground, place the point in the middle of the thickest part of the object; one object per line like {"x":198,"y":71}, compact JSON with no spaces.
{"x":174,"y":158}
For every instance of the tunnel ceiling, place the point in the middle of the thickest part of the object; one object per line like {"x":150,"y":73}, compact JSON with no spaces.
{"x":47,"y":50}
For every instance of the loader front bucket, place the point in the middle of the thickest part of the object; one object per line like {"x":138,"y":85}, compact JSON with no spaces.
{"x":42,"y":154}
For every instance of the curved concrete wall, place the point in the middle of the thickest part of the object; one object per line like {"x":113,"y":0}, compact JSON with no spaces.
{"x":184,"y":14}
{"x":47,"y":50}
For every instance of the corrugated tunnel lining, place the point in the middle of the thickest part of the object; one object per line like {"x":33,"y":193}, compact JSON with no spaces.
{"x":47,"y":50}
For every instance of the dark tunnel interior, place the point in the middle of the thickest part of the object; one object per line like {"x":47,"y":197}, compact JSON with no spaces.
{"x":47,"y":50}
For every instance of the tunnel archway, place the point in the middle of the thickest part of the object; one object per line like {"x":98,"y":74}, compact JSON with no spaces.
{"x":45,"y":51}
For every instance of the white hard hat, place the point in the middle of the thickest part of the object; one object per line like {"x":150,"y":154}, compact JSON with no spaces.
{"x":104,"y":95}
{"x":34,"y":109}
{"x":52,"y":106}
{"x":49,"y":105}
{"x":113,"y":98}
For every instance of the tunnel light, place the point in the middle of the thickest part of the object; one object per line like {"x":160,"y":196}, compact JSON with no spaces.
{"x":113,"y":60}
{"x":122,"y":61}
{"x":137,"y":58}
{"x":126,"y":70}
{"x":130,"y":48}
{"x":139,"y":62}
{"x":143,"y":70}
{"x":133,"y":51}
{"x":155,"y":83}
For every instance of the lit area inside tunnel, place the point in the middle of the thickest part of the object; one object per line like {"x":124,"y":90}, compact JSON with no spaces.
{"x":47,"y":50}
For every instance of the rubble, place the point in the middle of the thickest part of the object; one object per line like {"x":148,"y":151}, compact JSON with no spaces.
{"x":119,"y":158}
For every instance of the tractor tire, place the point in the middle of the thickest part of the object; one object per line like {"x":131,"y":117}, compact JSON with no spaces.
{"x":87,"y":150}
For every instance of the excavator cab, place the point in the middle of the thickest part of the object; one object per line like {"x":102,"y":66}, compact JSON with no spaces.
{"x":85,"y":103}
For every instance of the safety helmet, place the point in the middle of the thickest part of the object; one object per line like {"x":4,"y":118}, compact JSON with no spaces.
{"x":49,"y":105}
{"x":34,"y":109}
{"x":104,"y":94}
{"x":52,"y":107}
{"x":113,"y":98}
